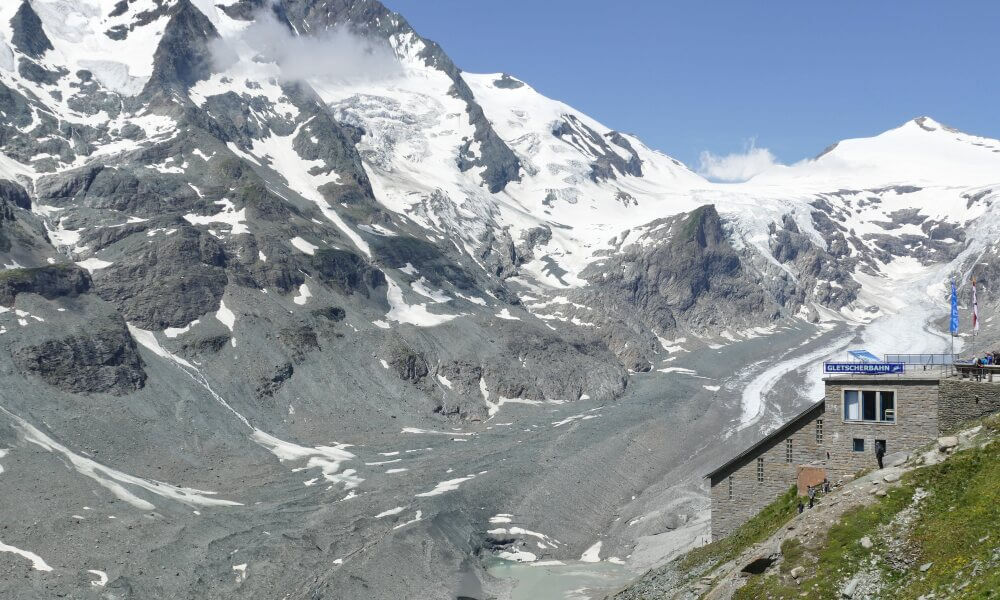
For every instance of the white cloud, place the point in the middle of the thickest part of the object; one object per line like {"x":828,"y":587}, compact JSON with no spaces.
{"x":336,"y":55}
{"x":739,"y":166}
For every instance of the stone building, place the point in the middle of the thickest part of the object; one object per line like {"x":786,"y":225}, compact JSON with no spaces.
{"x":836,"y":437}
{"x":764,"y":471}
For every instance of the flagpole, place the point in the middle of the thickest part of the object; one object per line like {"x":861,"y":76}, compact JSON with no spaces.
{"x":975,"y":317}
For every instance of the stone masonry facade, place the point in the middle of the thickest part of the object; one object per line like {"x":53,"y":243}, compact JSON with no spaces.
{"x":749,"y":495}
{"x":822,"y":437}
{"x":965,"y":400}
{"x":916,"y":421}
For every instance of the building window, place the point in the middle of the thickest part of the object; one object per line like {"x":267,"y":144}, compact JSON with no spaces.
{"x":760,"y":470}
{"x":887,"y":407}
{"x":788,"y":450}
{"x":874,"y":406}
{"x":730,"y":487}
{"x":859,"y":445}
{"x":819,"y":431}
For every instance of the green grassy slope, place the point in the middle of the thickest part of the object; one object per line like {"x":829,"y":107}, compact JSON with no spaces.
{"x":946,"y":516}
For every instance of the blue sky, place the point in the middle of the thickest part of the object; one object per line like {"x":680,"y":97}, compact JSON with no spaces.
{"x":690,"y":77}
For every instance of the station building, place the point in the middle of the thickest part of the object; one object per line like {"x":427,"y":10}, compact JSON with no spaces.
{"x":836,"y":437}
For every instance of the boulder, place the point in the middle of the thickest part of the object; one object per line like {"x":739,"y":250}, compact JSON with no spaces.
{"x":866,"y":543}
{"x":891,"y":477}
{"x":850,"y":588}
{"x":947,"y":443}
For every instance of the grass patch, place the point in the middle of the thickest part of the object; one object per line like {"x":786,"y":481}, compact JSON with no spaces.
{"x":756,"y":530}
{"x":793,"y":554}
{"x":839,"y":555}
{"x":956,"y":528}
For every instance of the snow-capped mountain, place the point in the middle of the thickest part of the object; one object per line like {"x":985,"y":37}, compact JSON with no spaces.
{"x":265,"y":258}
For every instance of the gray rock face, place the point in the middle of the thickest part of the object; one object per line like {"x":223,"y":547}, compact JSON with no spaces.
{"x":168,"y":284}
{"x":549,"y":367}
{"x":14,"y":193}
{"x":409,"y":365}
{"x":29,"y":37}
{"x":271,"y":383}
{"x":175,"y":202}
{"x":825,"y":277}
{"x":346,"y":271}
{"x":607,"y":164}
{"x":97,"y":357}
{"x":429,"y":260}
{"x":298,"y":341}
{"x":683,"y":279}
{"x":182,"y":57}
{"x":371,"y":18}
{"x":49,"y":282}
{"x":507,"y":82}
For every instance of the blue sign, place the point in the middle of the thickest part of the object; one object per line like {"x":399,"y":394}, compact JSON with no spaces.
{"x":863,"y":368}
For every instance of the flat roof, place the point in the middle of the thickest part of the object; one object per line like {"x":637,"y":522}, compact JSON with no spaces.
{"x":912,"y":376}
{"x":777,"y":432}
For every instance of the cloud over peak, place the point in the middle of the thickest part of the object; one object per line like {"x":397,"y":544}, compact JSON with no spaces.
{"x":337,"y":55}
{"x":738,"y":166}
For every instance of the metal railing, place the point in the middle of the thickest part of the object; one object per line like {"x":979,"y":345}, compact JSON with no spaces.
{"x":922,"y":359}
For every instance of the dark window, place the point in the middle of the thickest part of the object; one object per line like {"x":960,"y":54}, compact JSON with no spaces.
{"x":730,"y":487}
{"x":819,"y":431}
{"x":760,"y":470}
{"x":887,"y":408}
{"x":788,"y":450}
{"x":868,"y":405}
{"x":859,"y":445}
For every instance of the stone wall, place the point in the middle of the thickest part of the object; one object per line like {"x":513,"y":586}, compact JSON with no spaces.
{"x":925,"y":407}
{"x":916,"y":421}
{"x":964,"y":400}
{"x":751,"y":495}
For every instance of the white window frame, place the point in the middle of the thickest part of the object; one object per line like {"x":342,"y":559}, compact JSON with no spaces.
{"x":878,"y":405}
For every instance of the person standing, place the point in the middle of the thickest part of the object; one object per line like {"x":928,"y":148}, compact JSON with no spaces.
{"x":879,"y":452}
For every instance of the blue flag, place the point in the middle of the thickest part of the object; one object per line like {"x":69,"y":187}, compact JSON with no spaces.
{"x":954,"y":309}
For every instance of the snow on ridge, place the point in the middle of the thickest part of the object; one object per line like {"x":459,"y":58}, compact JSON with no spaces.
{"x":390,"y":512}
{"x":444,"y":487}
{"x":102,"y":578}
{"x":592,"y":554}
{"x":918,"y":152}
{"x":76,"y":30}
{"x":328,"y":459}
{"x":236,"y":219}
{"x":303,"y":246}
{"x":303,"y":296}
{"x":412,"y":314}
{"x":416,"y":517}
{"x":113,"y":480}
{"x":37,"y":563}
{"x":172,"y":332}
{"x":93,"y":264}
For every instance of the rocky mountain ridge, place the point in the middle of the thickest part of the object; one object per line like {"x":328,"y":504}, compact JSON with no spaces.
{"x":191,"y":237}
